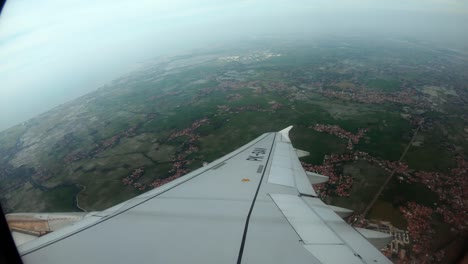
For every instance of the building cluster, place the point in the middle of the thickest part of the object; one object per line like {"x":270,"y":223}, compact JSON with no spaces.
{"x":135,"y":175}
{"x":341,"y":133}
{"x":278,"y":86}
{"x":419,"y":219}
{"x":337,"y":184}
{"x":451,"y":191}
{"x":256,"y":56}
{"x":234,"y":97}
{"x":253,"y":108}
{"x":191,"y":148}
{"x":224,"y":109}
{"x":276,"y":106}
{"x":399,"y":167}
{"x":159,"y":182}
{"x":179,"y":162}
{"x":179,"y":165}
{"x":179,"y":168}
{"x":341,"y":185}
{"x":189,"y":132}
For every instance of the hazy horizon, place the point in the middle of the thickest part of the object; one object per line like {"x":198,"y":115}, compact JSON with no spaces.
{"x":52,"y":52}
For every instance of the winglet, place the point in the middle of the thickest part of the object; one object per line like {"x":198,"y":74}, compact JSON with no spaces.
{"x":285,"y":133}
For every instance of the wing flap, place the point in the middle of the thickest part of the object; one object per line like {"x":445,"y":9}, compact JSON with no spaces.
{"x":348,"y":235}
{"x":323,"y":232}
{"x":305,"y":222}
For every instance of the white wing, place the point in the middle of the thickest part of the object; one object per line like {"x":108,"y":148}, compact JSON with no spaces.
{"x":255,"y":205}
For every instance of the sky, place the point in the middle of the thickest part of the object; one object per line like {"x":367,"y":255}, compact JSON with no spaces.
{"x":53,"y":51}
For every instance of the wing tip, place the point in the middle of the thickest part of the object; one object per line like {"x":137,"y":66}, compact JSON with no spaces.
{"x":285,"y":133}
{"x":286,"y":130}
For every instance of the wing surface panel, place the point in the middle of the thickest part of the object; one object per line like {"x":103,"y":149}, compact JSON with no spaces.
{"x":200,"y":220}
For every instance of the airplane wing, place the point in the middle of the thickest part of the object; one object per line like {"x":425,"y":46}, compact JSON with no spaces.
{"x":254,"y":205}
